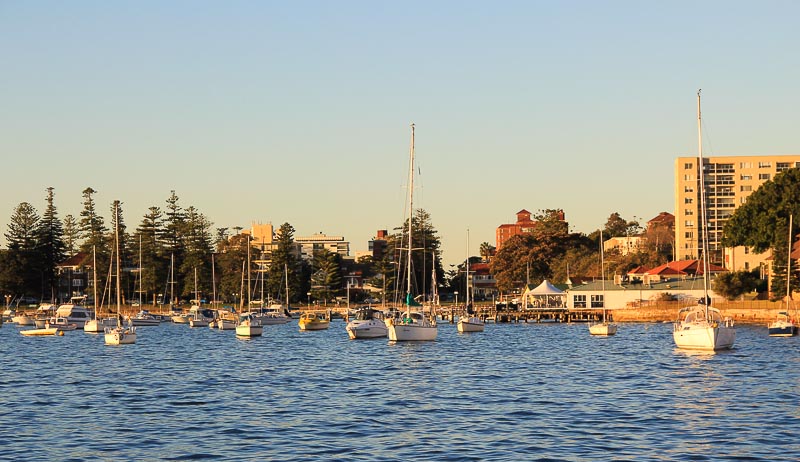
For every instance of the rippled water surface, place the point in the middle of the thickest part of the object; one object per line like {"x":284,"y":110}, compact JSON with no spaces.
{"x":514,"y":392}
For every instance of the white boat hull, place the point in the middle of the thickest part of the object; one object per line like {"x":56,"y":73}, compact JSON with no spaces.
{"x":23,"y":320}
{"x":408,"y":332}
{"x":705,"y":337}
{"x":180,"y":319}
{"x":375,"y":328}
{"x":120,"y":336}
{"x":225,"y":324}
{"x":249,"y":331}
{"x":96,"y":326}
{"x":470,"y":325}
{"x":603,"y":329}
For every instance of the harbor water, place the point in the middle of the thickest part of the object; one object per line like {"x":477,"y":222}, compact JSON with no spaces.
{"x":527,"y":392}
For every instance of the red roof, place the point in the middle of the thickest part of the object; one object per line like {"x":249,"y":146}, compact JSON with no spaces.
{"x":79,"y":259}
{"x":685,"y":267}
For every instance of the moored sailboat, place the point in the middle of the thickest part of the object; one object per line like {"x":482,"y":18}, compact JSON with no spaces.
{"x":784,"y":325}
{"x":469,"y":322}
{"x":702,"y":327}
{"x":120,"y":334}
{"x":413,"y":325}
{"x":603,"y":327}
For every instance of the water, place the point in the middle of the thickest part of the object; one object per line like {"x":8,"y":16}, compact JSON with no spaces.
{"x":546,"y":392}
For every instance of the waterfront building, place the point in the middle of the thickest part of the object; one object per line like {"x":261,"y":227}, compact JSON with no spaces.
{"x":524,"y":224}
{"x":728,"y":181}
{"x":73,"y":276}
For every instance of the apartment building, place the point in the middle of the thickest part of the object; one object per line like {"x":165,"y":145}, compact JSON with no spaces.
{"x":316,"y":242}
{"x":728,"y":181}
{"x":524,"y":224}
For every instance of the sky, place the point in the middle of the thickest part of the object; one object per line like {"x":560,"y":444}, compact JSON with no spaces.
{"x":300,"y":112}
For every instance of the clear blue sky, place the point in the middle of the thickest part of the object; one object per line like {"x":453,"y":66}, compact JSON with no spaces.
{"x":299,"y":112}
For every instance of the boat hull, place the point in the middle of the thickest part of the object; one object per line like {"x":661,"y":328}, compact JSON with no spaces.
{"x":704,"y":337}
{"x":249,"y":331}
{"x":603,"y":329}
{"x":782,"y":329}
{"x":39,"y":332}
{"x":120,"y":336}
{"x":23,"y":320}
{"x":370,"y":329}
{"x":470,"y":325}
{"x":96,"y":326}
{"x":412,"y":332}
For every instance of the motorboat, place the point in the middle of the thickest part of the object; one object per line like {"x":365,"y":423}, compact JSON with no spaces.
{"x":61,"y":323}
{"x":41,"y":332}
{"x":23,"y":319}
{"x":603,"y":328}
{"x":313,"y":321}
{"x":367,"y":323}
{"x":75,"y":314}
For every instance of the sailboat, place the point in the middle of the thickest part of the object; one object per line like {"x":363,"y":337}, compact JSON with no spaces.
{"x":469,"y":322}
{"x":97,"y":324}
{"x":197,"y":315}
{"x":603,"y":327}
{"x":702,"y":327}
{"x":177,"y":317}
{"x":120,"y":334}
{"x":413,"y":325}
{"x":143,"y":317}
{"x":783,"y":325}
{"x":249,"y":324}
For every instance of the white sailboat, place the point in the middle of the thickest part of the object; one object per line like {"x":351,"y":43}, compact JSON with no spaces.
{"x":413,"y":325}
{"x":603,"y":328}
{"x":702,"y":327}
{"x":469,"y":322}
{"x":97,"y":324}
{"x":249,"y":324}
{"x":120,"y":334}
{"x":367,"y":323}
{"x":197,"y":316}
{"x":783,"y":326}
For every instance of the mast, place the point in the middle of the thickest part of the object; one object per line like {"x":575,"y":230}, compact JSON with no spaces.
{"x":171,"y":279}
{"x":140,"y":272}
{"x":94,"y":279}
{"x":213,"y":283}
{"x":603,"y":274}
{"x":702,"y":185}
{"x":789,"y":267}
{"x":116,"y":246}
{"x":410,"y":216}
{"x":286,"y":273}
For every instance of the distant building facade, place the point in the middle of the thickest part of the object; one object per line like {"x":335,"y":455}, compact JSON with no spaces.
{"x":318,"y":242}
{"x":523,"y":225}
{"x":728,"y":181}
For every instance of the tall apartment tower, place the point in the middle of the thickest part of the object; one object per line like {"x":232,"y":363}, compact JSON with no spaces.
{"x":728,"y":182}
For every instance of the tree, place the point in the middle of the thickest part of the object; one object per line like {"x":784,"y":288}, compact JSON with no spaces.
{"x":284,"y":265}
{"x":734,"y":284}
{"x":487,"y":250}
{"x":154,"y":267}
{"x":326,"y":274}
{"x":762,"y":223}
{"x":50,"y":244}
{"x":616,"y":226}
{"x":92,"y":227}
{"x":22,"y":269}
{"x":197,"y":251}
{"x":72,"y":234}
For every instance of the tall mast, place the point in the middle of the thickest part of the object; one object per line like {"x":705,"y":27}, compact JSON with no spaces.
{"x":702,"y":221}
{"x":116,"y":246}
{"x":94,"y":280}
{"x":603,"y":274}
{"x":410,"y":216}
{"x":789,"y":267}
{"x":286,"y":273}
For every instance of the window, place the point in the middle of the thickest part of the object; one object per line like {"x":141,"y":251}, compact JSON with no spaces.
{"x":763,"y":176}
{"x":688,"y":200}
{"x":746,"y":177}
{"x":765,"y":165}
{"x":688,"y":177}
{"x":689,"y":223}
{"x":688,"y":189}
{"x":688,"y":212}
{"x":745,"y":165}
{"x":746,"y":188}
{"x":746,"y":250}
{"x":688,"y":166}
{"x":689,"y":235}
{"x":747,"y":266}
{"x":579,"y":301}
{"x":597,"y":301}
{"x":77,"y":283}
{"x":781,"y":166}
